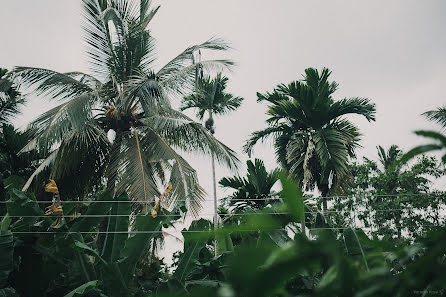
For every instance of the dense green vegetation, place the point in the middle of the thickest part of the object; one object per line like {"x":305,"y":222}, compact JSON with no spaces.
{"x":116,"y":143}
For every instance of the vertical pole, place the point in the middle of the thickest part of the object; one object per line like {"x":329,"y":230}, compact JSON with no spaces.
{"x":215,"y":204}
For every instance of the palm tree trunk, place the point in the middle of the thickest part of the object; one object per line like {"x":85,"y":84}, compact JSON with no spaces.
{"x":215,"y":203}
{"x":214,"y":184}
{"x":111,"y":183}
{"x":324,"y":192}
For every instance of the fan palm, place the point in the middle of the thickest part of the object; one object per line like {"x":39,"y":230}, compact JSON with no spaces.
{"x":312,"y":139}
{"x":127,"y":99}
{"x":254,"y":190}
{"x":210,"y":97}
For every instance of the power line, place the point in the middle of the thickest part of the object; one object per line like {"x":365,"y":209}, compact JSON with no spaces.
{"x":271,"y":197}
{"x":202,"y":214}
{"x":195,"y":231}
{"x":373,"y":211}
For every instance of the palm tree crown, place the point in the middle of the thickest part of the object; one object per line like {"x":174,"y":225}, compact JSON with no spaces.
{"x":211,"y":96}
{"x":124,"y":94}
{"x":254,"y":190}
{"x":390,"y":157}
{"x":313,"y":140}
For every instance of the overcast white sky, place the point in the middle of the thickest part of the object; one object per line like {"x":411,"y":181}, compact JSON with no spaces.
{"x":393,"y":52}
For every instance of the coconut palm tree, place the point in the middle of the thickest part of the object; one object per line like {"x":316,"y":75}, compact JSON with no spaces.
{"x":254,"y":190}
{"x":312,"y":138}
{"x":126,"y":99}
{"x":210,"y":97}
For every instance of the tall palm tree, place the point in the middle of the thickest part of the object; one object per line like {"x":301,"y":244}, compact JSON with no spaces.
{"x":210,"y":97}
{"x":254,"y":190}
{"x":313,"y":140}
{"x":10,"y":98}
{"x":126,"y":98}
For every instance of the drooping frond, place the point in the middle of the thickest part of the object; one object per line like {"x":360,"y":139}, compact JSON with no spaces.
{"x":262,"y":135}
{"x":182,"y":80}
{"x":184,"y":134}
{"x":182,"y":175}
{"x":360,"y":106}
{"x":186,"y":58}
{"x":51,"y":127}
{"x":438,"y":145}
{"x":438,"y":115}
{"x":50,"y":83}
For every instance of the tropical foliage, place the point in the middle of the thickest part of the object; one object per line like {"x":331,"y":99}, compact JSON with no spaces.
{"x":312,"y":138}
{"x":126,"y":98}
{"x":115,"y":144}
{"x":391,"y":200}
{"x":10,"y":97}
{"x":253,"y":191}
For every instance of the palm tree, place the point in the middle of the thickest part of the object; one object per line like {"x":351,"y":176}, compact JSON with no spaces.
{"x":389,"y":158}
{"x":254,"y":190}
{"x":210,"y":97}
{"x":439,"y":139}
{"x":126,"y":99}
{"x":313,"y":140}
{"x":10,"y":98}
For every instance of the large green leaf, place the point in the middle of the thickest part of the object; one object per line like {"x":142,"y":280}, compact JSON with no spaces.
{"x":224,"y":242}
{"x":192,"y":248}
{"x":6,"y":221}
{"x":293,"y":198}
{"x":22,"y":204}
{"x":83,"y":289}
{"x":95,"y":208}
{"x":356,"y":243}
{"x":145,"y":228}
{"x":6,"y":251}
{"x":118,"y":224}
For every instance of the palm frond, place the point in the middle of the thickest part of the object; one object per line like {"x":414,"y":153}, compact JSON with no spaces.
{"x":438,"y":115}
{"x":186,"y":58}
{"x":360,"y":106}
{"x":50,"y":83}
{"x":182,"y":79}
{"x":51,"y":127}
{"x":184,"y":134}
{"x":45,"y":164}
{"x":183,"y":176}
{"x":262,"y":135}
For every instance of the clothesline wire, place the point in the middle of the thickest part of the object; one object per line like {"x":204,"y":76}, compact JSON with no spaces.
{"x":270,"y":197}
{"x":191,"y":231}
{"x":203,"y":214}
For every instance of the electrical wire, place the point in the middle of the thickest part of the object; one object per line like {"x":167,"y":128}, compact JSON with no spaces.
{"x":276,"y":198}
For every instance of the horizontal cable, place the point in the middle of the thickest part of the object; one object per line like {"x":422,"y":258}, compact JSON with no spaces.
{"x":192,"y":231}
{"x":210,"y":214}
{"x":204,"y":214}
{"x":228,"y":199}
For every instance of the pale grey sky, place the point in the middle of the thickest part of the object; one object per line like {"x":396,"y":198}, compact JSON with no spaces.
{"x":393,"y":52}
